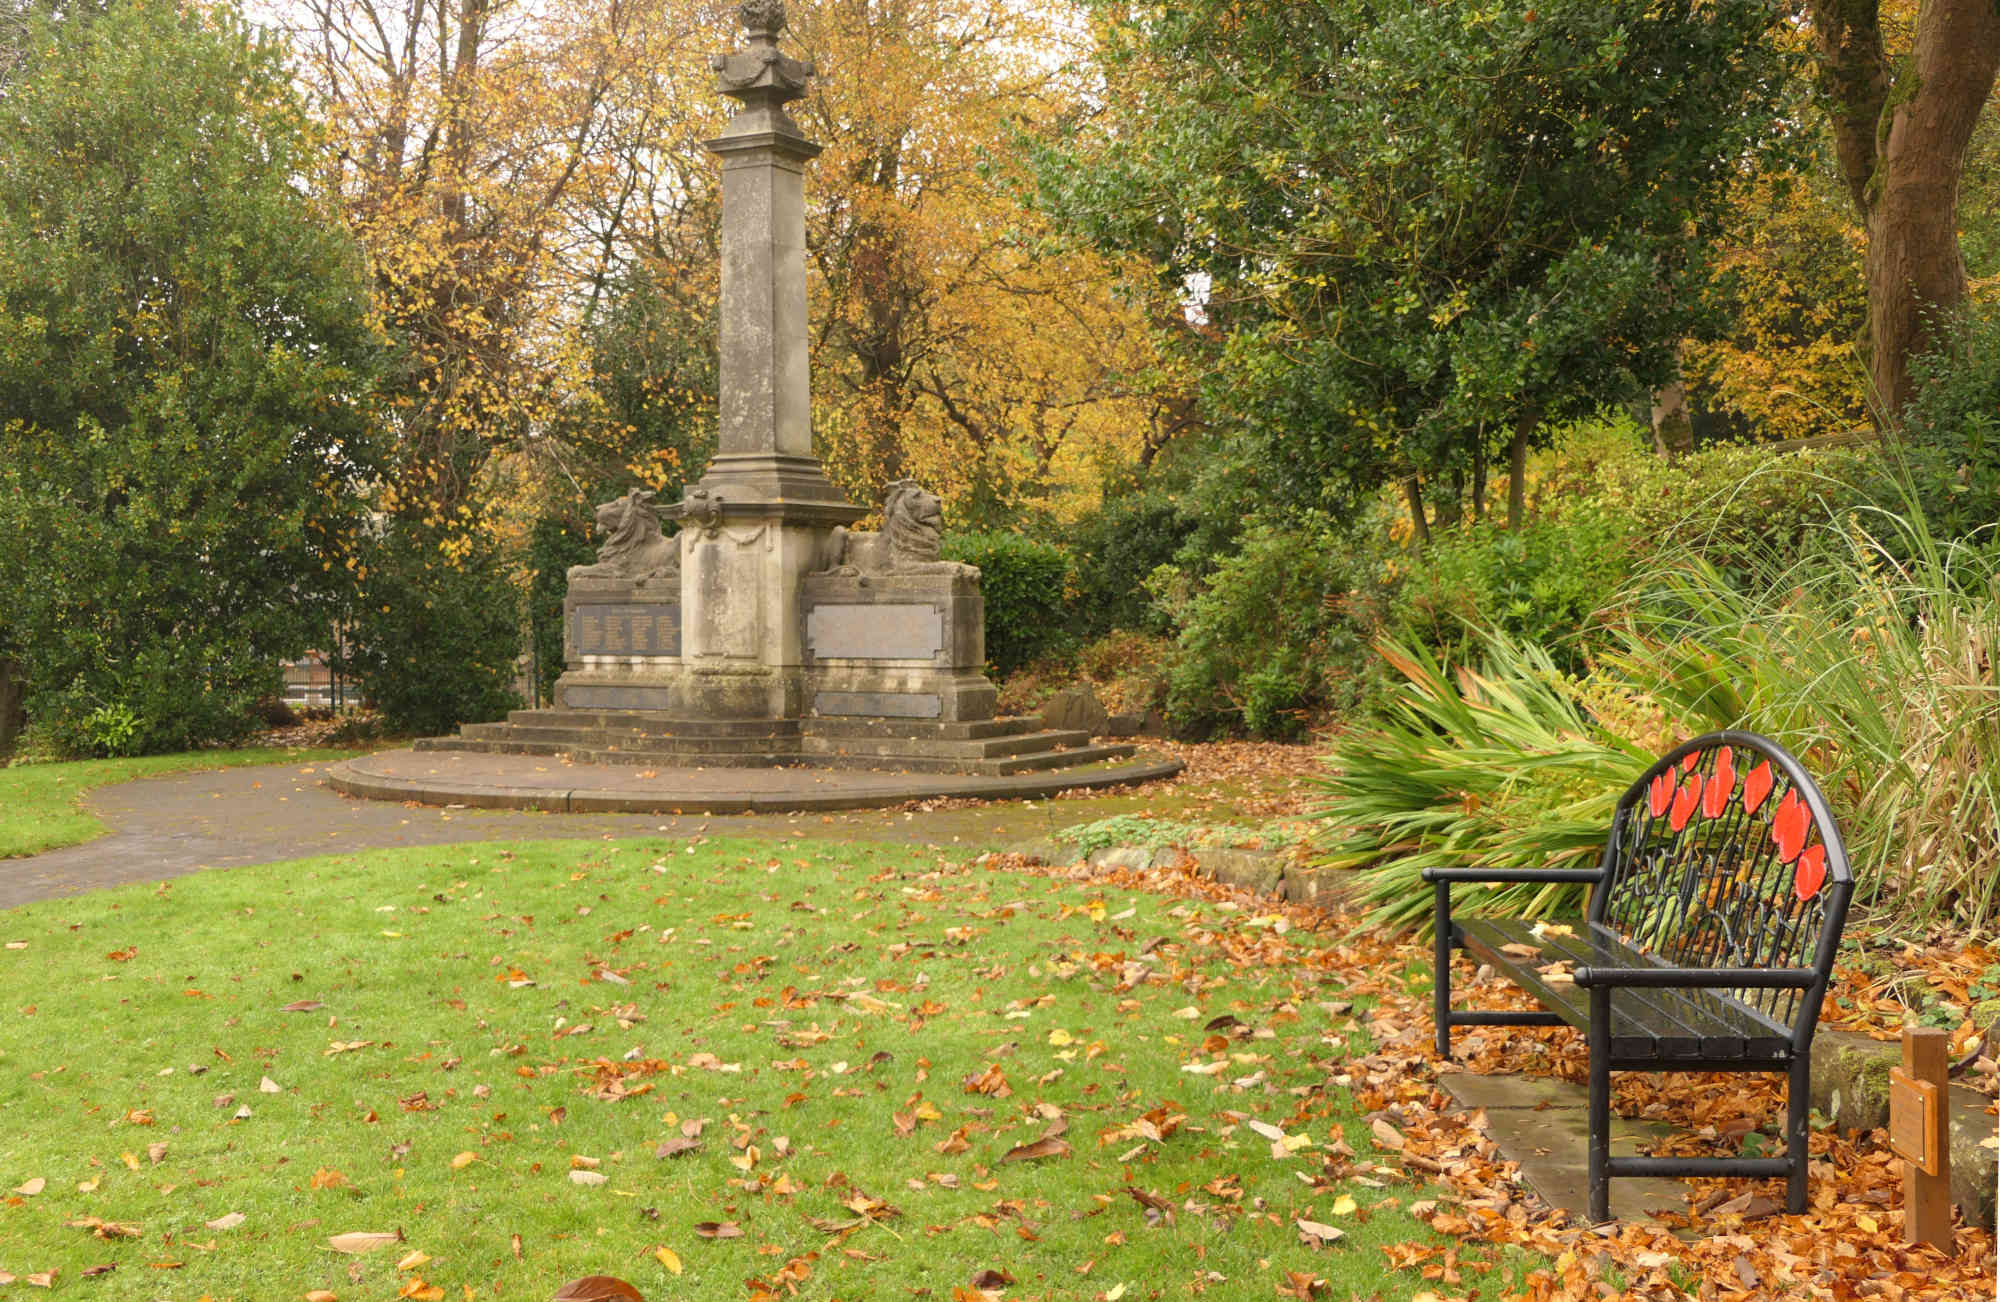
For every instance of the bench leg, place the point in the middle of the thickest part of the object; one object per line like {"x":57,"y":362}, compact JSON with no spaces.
{"x":1599,"y":1168}
{"x":1441,"y":963}
{"x":1797,"y":1097}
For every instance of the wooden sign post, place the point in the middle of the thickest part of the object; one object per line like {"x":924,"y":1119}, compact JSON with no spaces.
{"x":1917,"y":1132}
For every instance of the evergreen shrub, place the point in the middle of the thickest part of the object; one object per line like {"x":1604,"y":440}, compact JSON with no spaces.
{"x":1953,"y":425}
{"x":1115,"y":550}
{"x":1024,"y":582}
{"x":1277,"y":636}
{"x":436,"y":630}
{"x":1743,"y":507}
{"x":1547,"y":584}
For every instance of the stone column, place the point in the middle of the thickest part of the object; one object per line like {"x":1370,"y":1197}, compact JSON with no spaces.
{"x":757,"y":521}
{"x":765,"y":448}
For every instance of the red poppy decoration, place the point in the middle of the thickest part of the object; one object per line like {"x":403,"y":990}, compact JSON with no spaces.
{"x":1684,"y":803}
{"x":1789,"y":826}
{"x":1660,"y":794}
{"x":1810,"y":874}
{"x":1756,"y":787}
{"x":1720,"y":786}
{"x":1687,"y":765}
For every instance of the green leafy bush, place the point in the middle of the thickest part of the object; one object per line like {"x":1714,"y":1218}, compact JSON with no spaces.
{"x":434,"y":636}
{"x":1277,"y":635}
{"x":1877,"y":670}
{"x":1502,"y":768}
{"x":1744,"y":508}
{"x":1115,"y":550}
{"x":1545,"y":584}
{"x":1876,"y":665}
{"x":1129,"y":829}
{"x":1953,"y":425}
{"x":186,"y":367}
{"x":160,"y":698}
{"x":1024,"y":583}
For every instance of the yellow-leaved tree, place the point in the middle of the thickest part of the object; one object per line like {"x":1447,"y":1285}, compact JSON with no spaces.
{"x":486,"y":153}
{"x":956,"y":340}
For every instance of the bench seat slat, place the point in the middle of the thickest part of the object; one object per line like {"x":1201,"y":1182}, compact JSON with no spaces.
{"x":1664,"y":1024}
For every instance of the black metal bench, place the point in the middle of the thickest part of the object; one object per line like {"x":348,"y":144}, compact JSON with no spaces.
{"x":1707,"y":944}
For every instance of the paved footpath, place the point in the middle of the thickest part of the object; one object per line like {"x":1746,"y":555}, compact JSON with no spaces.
{"x":170,"y":826}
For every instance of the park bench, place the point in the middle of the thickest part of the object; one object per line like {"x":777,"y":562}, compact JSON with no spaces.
{"x":1707,"y":943}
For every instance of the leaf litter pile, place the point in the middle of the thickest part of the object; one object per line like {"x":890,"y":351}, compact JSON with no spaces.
{"x":757,"y":1071}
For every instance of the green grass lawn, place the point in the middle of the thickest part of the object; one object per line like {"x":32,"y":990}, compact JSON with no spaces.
{"x":716,"y":1069}
{"x":41,"y":805}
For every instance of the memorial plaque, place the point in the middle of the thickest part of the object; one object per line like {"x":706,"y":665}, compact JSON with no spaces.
{"x":588,"y":697}
{"x":875,"y":632}
{"x":1914,"y":1111}
{"x":651,"y":629}
{"x":894,"y":705}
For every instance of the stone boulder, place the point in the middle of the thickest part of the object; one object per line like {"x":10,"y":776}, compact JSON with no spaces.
{"x":1075,"y":709}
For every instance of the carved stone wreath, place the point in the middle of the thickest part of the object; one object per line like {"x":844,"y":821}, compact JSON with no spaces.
{"x":763,"y":16}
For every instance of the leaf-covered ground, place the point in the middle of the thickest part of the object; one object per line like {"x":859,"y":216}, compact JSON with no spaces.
{"x":727,"y":1070}
{"x":1733,"y":1242}
{"x":797,"y":1069}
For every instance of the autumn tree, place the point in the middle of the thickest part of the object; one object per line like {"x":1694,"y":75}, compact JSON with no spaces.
{"x":479,"y":149}
{"x":1786,"y":359}
{"x":1421,"y":233}
{"x":185,"y":362}
{"x":1902,"y":127}
{"x":956,"y":336}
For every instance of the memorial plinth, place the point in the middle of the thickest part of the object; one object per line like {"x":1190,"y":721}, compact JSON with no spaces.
{"x":763,"y":631}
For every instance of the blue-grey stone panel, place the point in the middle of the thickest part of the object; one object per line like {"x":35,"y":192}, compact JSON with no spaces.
{"x":874,"y":632}
{"x":588,"y":697}
{"x":893,"y":705}
{"x":652,"y":629}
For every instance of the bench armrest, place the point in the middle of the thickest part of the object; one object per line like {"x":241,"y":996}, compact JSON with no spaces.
{"x":1697,"y":978}
{"x":1513,"y":874}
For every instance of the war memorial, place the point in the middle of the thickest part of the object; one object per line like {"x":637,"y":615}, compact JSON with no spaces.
{"x":765,"y":631}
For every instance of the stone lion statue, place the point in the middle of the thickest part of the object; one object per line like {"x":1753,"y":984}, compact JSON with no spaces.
{"x":634,"y":549}
{"x":910,"y":541}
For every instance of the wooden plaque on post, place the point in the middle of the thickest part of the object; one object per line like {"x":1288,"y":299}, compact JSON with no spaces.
{"x":1917,"y":1094}
{"x":1913,"y":1120}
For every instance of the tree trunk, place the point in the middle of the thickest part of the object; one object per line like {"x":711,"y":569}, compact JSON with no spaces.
{"x":1914,"y":266}
{"x":1900,"y":135}
{"x":1452,"y":509}
{"x":1413,"y":494}
{"x":1673,"y":432}
{"x":1517,"y":470}
{"x":10,"y":705}
{"x":1479,"y":474}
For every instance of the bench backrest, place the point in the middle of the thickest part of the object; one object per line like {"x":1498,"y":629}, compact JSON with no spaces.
{"x":1724,"y":854}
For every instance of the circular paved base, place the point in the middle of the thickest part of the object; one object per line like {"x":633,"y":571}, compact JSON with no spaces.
{"x":558,"y":786}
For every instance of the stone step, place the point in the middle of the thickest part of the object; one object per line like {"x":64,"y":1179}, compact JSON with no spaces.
{"x":760,"y":744}
{"x":514,"y":732}
{"x":629,"y":739}
{"x":686,"y":750}
{"x":489,"y":746}
{"x":1061,"y":759}
{"x":924,"y":729}
{"x":894,"y":750}
{"x":762,"y":758}
{"x":1044,"y":761}
{"x":653,"y":724}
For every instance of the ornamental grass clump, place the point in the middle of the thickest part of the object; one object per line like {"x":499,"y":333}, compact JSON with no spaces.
{"x":1504,"y":767}
{"x":1878,"y":668}
{"x":1873,"y":662}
